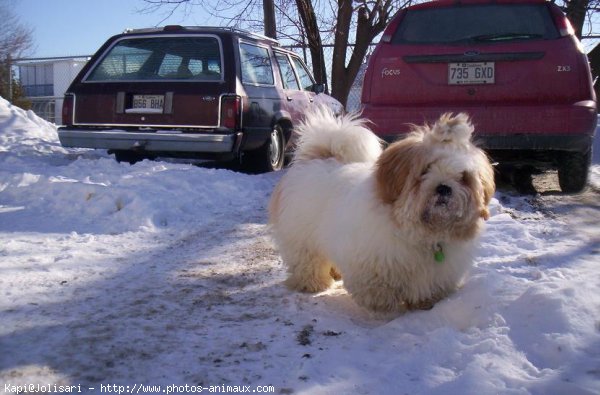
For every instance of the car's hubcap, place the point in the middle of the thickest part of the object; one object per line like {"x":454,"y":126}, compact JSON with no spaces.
{"x":275,"y":148}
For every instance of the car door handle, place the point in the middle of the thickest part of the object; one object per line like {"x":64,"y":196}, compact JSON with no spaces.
{"x":289,"y":98}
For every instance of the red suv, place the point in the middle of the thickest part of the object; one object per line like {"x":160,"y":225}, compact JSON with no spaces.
{"x":513,"y":65}
{"x":202,"y":92}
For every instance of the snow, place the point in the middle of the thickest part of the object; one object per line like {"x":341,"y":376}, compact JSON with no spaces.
{"x":163,"y":273}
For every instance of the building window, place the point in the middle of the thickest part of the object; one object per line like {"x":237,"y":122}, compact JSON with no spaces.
{"x":36,"y":79}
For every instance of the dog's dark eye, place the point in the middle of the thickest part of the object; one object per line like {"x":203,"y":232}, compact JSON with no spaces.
{"x":426,"y":170}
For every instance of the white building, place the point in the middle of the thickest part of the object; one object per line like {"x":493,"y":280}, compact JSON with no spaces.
{"x":45,"y":81}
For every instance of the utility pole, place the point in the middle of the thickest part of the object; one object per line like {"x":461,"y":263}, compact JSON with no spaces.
{"x":269,"y":14}
{"x":10,"y":80}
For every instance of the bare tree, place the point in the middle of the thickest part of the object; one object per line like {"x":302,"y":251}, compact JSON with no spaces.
{"x":240,"y":9}
{"x":371,"y":18}
{"x":15,"y":41}
{"x":300,"y":23}
{"x":349,"y":25}
{"x":15,"y":37}
{"x":312,"y":33}
{"x":576,"y":11}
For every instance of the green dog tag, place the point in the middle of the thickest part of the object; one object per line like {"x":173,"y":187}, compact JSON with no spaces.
{"x":438,"y":254}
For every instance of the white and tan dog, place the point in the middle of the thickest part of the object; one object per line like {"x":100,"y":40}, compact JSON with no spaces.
{"x":399,"y":225}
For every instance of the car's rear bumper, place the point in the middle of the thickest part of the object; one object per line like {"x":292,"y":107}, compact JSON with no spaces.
{"x":535,"y":142}
{"x":152,"y":141}
{"x":526,"y":127}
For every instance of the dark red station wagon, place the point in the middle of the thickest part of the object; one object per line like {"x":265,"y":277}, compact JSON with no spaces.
{"x":201,"y":92}
{"x":514,"y":66}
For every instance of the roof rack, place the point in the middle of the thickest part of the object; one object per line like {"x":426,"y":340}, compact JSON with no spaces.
{"x":193,"y":28}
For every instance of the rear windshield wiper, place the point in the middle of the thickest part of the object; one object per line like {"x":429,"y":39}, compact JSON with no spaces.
{"x":505,"y":36}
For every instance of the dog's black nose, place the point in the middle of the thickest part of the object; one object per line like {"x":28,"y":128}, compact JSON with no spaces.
{"x":443,"y":190}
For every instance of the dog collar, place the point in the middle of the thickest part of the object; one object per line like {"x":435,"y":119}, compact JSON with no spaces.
{"x":438,"y":253}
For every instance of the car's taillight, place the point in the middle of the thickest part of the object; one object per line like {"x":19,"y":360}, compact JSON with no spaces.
{"x":67,"y":109}
{"x":389,"y":31}
{"x":231,"y":107}
{"x":562,"y":23}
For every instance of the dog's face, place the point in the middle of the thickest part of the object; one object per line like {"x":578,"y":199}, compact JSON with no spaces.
{"x":437,"y":181}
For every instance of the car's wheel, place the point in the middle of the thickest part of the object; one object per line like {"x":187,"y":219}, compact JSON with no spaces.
{"x":130,"y":157}
{"x":522,"y":180}
{"x":271,"y":156}
{"x":573,"y":171}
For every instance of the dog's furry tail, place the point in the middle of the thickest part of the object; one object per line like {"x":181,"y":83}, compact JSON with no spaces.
{"x":346,"y":138}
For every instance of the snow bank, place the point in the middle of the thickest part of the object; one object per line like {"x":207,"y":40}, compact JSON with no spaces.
{"x":23,"y":132}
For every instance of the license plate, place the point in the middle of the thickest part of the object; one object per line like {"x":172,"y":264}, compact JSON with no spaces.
{"x":148,"y":103}
{"x":471,"y":73}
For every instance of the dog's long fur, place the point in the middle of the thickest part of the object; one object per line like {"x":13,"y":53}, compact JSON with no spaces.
{"x":380,"y":217}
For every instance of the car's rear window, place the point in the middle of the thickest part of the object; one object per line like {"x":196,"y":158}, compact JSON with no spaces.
{"x":476,"y":23}
{"x":161,"y":58}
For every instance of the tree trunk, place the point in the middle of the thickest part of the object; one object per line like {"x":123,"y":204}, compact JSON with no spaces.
{"x":339,"y":78}
{"x":576,"y":10}
{"x":313,"y":35}
{"x":369,"y":25}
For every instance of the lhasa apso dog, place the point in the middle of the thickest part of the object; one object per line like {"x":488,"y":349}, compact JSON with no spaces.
{"x":399,"y":225}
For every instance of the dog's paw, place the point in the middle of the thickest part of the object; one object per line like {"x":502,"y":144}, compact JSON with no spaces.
{"x":380,"y":302}
{"x":308,"y":285}
{"x":421,"y":305}
{"x":425,"y":304}
{"x":335,"y":274}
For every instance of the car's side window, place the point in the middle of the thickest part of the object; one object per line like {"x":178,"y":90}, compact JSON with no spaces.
{"x":305,"y":79}
{"x":256,"y":65}
{"x":288,"y":77}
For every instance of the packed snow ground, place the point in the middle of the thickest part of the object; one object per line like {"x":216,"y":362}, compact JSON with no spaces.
{"x":164,"y":273}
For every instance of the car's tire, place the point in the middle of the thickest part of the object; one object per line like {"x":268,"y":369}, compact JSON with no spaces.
{"x":130,"y":157}
{"x":573,"y":171}
{"x":269,"y":157}
{"x":522,"y":180}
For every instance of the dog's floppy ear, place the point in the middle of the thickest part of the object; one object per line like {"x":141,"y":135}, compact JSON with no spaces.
{"x":396,"y":167}
{"x":489,"y":186}
{"x":486,"y":177}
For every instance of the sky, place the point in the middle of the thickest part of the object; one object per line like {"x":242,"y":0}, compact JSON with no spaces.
{"x":80,"y":27}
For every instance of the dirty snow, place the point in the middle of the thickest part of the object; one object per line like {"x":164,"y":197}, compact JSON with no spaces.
{"x":118,"y":277}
